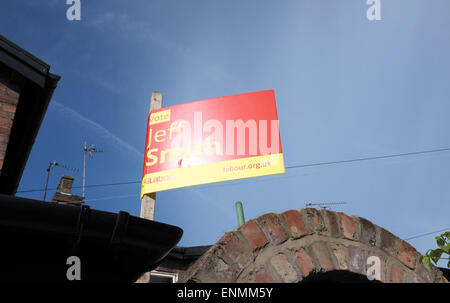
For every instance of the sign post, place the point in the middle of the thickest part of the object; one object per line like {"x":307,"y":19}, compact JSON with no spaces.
{"x":148,"y":200}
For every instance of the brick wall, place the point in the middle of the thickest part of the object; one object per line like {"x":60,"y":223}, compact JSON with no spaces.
{"x":9,"y":97}
{"x":290,"y":246}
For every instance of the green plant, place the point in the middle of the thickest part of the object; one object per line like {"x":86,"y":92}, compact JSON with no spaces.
{"x":436,"y":254}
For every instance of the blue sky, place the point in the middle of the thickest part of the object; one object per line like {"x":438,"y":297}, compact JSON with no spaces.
{"x":345,"y":88}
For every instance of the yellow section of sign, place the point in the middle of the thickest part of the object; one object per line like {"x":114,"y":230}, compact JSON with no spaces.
{"x":213,"y":172}
{"x":160,"y":117}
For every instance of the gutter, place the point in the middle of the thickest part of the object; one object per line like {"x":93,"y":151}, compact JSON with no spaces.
{"x":38,"y":237}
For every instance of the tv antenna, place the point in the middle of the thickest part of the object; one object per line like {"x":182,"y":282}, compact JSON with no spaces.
{"x":324,"y":205}
{"x":53,"y":164}
{"x":91,"y":150}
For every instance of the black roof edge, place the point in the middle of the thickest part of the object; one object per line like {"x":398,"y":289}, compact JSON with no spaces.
{"x":43,"y":216}
{"x":26,"y":64}
{"x":24,"y":55}
{"x":45,"y":219}
{"x":29,"y":136}
{"x":52,"y":81}
{"x":40,"y":85}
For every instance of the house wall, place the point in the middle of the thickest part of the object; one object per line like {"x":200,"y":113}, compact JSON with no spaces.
{"x":9,"y":97}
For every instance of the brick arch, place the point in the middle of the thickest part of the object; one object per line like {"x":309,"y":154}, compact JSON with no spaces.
{"x":290,"y":246}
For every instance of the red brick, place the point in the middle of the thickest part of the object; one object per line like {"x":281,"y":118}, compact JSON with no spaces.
{"x":407,"y":254}
{"x":397,"y":274}
{"x":7,"y":115}
{"x":368,"y":233}
{"x":295,"y":224}
{"x":236,"y":249}
{"x":211,"y":268}
{"x":263,"y":276}
{"x":8,"y":99}
{"x":3,"y":147}
{"x":330,"y":220}
{"x":272,"y":226}
{"x":348,"y":227}
{"x":9,"y":108}
{"x":217,"y":271}
{"x":5,"y":122}
{"x":341,"y":254}
{"x":5,"y":131}
{"x":253,"y":234}
{"x":314,"y":221}
{"x":304,"y":262}
{"x":388,"y":242}
{"x":4,"y":138}
{"x":358,"y":259}
{"x":284,"y":269}
{"x":13,"y":93}
{"x":320,"y":250}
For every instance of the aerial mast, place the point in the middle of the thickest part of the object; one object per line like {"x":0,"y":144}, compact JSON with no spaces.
{"x":91,"y":150}
{"x":324,"y":205}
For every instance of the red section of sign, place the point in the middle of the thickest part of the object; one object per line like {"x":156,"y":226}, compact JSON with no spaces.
{"x":165,"y":135}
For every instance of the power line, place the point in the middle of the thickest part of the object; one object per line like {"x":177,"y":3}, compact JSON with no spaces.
{"x":94,"y":185}
{"x":286,"y":167}
{"x":371,"y":158}
{"x":112,"y":197}
{"x":427,"y":234}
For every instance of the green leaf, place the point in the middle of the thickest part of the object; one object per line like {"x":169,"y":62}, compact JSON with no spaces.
{"x":436,"y":255}
{"x":446,"y":248}
{"x":440,"y":242}
{"x":426,"y":262}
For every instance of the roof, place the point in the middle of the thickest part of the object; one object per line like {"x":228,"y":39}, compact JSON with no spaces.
{"x":37,"y":85}
{"x":25,"y":63}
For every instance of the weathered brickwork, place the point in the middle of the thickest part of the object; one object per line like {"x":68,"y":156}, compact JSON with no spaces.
{"x":9,"y":97}
{"x":290,"y":246}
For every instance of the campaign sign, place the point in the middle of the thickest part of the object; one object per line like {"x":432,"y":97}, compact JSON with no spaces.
{"x":212,"y":140}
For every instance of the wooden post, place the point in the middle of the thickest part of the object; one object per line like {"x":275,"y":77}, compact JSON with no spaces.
{"x":148,"y":201}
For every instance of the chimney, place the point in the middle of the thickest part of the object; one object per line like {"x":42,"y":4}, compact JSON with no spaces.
{"x":65,"y":185}
{"x":64,"y":194}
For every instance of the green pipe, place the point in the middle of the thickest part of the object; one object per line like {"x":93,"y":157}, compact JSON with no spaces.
{"x":240,"y":213}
